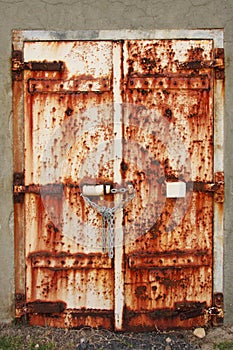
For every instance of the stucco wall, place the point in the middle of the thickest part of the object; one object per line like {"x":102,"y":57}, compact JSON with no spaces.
{"x":104,"y":14}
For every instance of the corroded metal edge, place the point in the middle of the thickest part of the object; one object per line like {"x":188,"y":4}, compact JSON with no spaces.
{"x":19,"y":36}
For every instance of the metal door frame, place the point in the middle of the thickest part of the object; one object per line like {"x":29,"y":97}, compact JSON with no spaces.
{"x":18,"y":39}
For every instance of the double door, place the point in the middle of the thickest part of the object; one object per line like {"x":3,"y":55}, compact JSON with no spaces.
{"x":118,"y":139}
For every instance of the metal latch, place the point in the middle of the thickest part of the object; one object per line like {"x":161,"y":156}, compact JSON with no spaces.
{"x":19,"y":188}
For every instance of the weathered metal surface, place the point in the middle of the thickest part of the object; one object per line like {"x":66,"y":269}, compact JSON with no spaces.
{"x":20,"y":36}
{"x":19,"y":214}
{"x":169,"y":137}
{"x":219,"y":93}
{"x":138,"y":112}
{"x":64,"y":129}
{"x":76,"y":318}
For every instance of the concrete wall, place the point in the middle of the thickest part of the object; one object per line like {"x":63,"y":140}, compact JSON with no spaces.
{"x":105,"y":14}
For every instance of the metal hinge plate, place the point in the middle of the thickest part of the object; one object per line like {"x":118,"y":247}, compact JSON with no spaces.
{"x":20,"y":305}
{"x":216,"y":187}
{"x":189,"y":310}
{"x":18,"y":187}
{"x":45,"y":307}
{"x":220,"y":69}
{"x":18,"y":65}
{"x":37,"y":307}
{"x":217,"y":64}
{"x":216,"y":311}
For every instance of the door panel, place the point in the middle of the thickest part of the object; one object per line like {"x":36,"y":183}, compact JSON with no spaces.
{"x":68,"y":123}
{"x":168,"y":137}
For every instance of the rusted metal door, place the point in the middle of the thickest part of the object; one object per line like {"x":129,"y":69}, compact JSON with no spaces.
{"x":168,"y":264}
{"x":119,"y":182}
{"x":68,"y":125}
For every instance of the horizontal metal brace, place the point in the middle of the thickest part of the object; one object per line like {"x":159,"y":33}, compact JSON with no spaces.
{"x":69,"y":86}
{"x":175,"y":259}
{"x":66,"y":261}
{"x":44,"y":66}
{"x":174,"y":81}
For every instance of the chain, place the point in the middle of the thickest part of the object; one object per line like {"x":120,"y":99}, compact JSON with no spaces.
{"x":108,"y":217}
{"x":110,"y":221}
{"x":103,"y":234}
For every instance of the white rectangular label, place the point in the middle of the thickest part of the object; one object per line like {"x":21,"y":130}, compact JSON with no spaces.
{"x":175,"y":189}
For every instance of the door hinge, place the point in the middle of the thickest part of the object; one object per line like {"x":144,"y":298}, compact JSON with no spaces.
{"x":18,"y":187}
{"x":216,"y":187}
{"x":18,"y":65}
{"x":217,"y":63}
{"x":220,"y":68}
{"x":20,"y":305}
{"x":39,"y":307}
{"x":45,"y":307}
{"x":189,"y":310}
{"x":216,"y":311}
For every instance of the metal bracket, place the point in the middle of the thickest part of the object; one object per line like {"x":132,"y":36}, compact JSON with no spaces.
{"x":216,"y":311}
{"x":189,"y":310}
{"x":18,"y":187}
{"x":219,"y":193}
{"x":18,"y":65}
{"x":220,"y":68}
{"x":216,"y":187}
{"x":217,"y":64}
{"x":20,"y":305}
